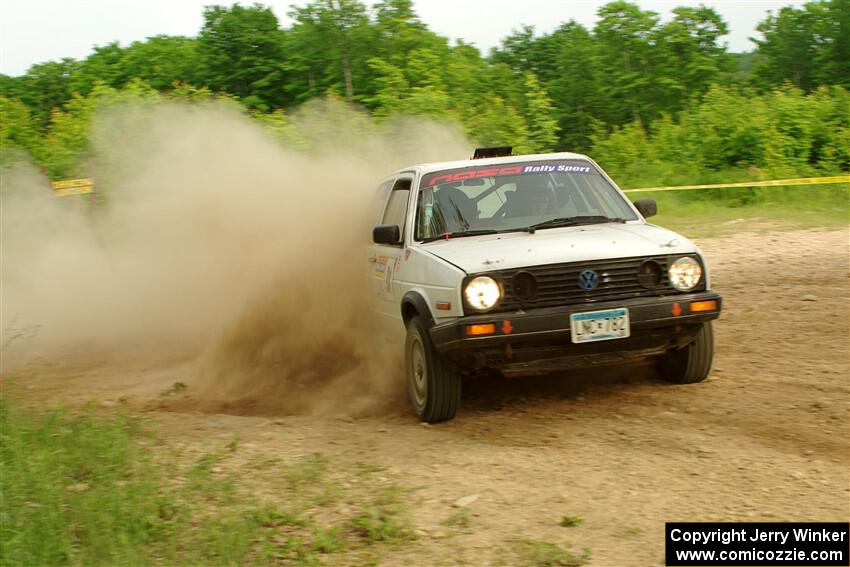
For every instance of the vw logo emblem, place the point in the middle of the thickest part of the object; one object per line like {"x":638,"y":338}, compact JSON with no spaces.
{"x":588,"y":280}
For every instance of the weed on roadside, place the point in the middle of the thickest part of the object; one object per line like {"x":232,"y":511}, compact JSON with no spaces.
{"x":175,"y":388}
{"x":461,"y":519}
{"x":309,"y":470}
{"x":533,"y":553}
{"x":571,"y":521}
{"x":631,"y":531}
{"x":384,"y":518}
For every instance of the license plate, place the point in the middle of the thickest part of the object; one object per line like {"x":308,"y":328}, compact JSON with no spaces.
{"x":600,"y":325}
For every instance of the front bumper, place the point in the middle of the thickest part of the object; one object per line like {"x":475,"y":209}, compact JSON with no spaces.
{"x":534,"y":341}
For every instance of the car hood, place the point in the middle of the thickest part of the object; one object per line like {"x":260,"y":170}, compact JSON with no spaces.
{"x":508,"y":250}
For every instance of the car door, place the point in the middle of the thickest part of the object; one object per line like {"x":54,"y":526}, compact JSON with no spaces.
{"x":385,"y":258}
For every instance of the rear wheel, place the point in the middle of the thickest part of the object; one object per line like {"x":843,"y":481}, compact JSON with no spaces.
{"x":433,"y":383}
{"x":692,"y":363}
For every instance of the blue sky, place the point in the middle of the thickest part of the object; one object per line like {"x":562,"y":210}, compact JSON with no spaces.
{"x":33,"y":31}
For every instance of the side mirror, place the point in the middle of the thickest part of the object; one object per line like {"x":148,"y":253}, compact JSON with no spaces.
{"x":386,"y":234}
{"x":646,"y":207}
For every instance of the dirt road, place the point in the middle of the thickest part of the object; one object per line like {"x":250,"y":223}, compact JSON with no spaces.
{"x":764,"y":438}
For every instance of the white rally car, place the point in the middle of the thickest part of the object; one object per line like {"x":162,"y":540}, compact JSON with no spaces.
{"x":531,"y":264}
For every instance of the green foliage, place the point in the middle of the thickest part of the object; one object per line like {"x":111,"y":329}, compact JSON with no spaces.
{"x":689,"y":57}
{"x":161,"y":61}
{"x":498,"y":124}
{"x":45,"y":87}
{"x":67,"y":149}
{"x":543,"y":128}
{"x":336,"y":37}
{"x":241,"y":53}
{"x":733,"y":136}
{"x":18,"y":132}
{"x":564,"y":62}
{"x":624,"y":57}
{"x":656,"y":102}
{"x":806,"y":46}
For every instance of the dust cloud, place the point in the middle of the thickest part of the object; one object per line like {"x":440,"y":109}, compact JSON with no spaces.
{"x":215,"y":257}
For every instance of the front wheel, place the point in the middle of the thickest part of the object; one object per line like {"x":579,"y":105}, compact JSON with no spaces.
{"x":433,"y":383}
{"x":692,"y":363}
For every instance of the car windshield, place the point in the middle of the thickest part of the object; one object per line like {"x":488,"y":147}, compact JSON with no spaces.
{"x":515,"y":196}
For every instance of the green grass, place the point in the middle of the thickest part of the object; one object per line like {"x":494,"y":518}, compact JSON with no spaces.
{"x":628,"y":532}
{"x":460,"y":520}
{"x":533,"y":553}
{"x":571,"y":521}
{"x":382,"y":518}
{"x":714,"y":212}
{"x":76,"y":490}
{"x":90,"y":490}
{"x":311,"y":470}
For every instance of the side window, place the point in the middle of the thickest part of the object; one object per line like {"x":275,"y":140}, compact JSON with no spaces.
{"x":428,"y":224}
{"x":396,"y":211}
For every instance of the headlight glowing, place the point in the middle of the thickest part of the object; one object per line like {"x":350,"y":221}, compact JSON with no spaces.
{"x":482,"y":293}
{"x":685,"y":273}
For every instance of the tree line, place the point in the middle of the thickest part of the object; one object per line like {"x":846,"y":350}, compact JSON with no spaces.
{"x":629,"y":84}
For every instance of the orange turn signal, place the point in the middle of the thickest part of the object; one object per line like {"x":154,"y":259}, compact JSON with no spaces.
{"x":444,"y":305}
{"x":710,"y":305}
{"x":483,"y":329}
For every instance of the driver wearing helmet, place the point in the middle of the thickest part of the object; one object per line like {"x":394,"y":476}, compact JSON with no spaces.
{"x":533,"y":197}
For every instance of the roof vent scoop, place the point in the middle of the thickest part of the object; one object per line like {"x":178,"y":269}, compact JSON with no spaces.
{"x":498,"y":151}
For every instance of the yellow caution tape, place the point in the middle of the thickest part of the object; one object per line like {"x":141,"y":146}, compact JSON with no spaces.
{"x":73,"y":187}
{"x":773,"y":183}
{"x":85,"y":182}
{"x":73,"y":191}
{"x":86,"y":185}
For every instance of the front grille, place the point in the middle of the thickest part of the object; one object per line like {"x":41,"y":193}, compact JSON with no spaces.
{"x":558,"y":284}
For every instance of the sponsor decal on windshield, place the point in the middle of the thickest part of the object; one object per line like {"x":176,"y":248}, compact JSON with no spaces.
{"x":561,"y":167}
{"x":453,"y":176}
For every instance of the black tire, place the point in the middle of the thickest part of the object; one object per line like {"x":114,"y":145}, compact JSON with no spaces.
{"x":433,"y":383}
{"x":692,"y":363}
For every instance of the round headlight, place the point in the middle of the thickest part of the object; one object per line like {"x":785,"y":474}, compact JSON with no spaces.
{"x":685,"y":273}
{"x":482,"y":293}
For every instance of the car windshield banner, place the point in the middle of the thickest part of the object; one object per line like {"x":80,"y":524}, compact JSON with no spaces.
{"x":526,"y":168}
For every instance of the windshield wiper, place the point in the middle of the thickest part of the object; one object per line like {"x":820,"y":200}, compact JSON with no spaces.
{"x":572,"y":221}
{"x":459,"y":233}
